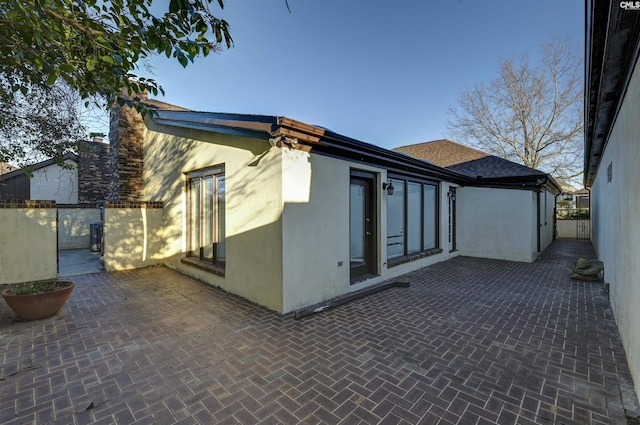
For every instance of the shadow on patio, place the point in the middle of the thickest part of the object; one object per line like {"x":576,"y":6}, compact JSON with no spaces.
{"x":472,"y":341}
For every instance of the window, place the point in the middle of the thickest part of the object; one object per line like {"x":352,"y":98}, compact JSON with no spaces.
{"x":206,"y":216}
{"x":411,"y":218}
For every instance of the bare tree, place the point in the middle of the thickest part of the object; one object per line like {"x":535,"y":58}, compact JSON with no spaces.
{"x":529,"y":114}
{"x":43,"y":123}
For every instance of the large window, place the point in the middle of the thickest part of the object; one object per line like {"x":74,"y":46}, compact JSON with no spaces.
{"x":412,"y":219}
{"x":206,"y":216}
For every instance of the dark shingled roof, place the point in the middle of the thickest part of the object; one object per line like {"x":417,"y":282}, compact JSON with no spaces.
{"x":465,"y":160}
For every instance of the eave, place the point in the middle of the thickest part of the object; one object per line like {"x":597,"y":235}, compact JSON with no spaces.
{"x":612,"y":47}
{"x":308,"y":137}
{"x":334,"y":144}
{"x":311,"y":138}
{"x":531,"y":182}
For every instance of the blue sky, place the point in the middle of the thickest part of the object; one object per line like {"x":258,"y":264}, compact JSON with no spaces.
{"x":384,"y":72}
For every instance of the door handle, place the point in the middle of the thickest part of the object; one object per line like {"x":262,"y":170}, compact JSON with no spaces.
{"x":368,"y":233}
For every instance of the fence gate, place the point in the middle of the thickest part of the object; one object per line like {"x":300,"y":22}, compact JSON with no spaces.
{"x":573,"y":223}
{"x":583,"y":228}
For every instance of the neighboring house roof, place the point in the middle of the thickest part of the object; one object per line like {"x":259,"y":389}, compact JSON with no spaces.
{"x":613,"y":42}
{"x":467,"y":160}
{"x":581,"y":192}
{"x":474,"y":163}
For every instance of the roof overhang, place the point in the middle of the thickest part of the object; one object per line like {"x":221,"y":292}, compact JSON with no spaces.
{"x":307,"y":137}
{"x":612,"y":48}
{"x":258,"y":126}
{"x":320,"y":140}
{"x":534,"y":182}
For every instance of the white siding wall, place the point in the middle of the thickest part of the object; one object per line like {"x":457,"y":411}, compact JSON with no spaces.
{"x":54,"y":183}
{"x":497,"y":223}
{"x":616,"y":227}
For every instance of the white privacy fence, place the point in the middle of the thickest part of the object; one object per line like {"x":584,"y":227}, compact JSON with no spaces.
{"x":573,"y":223}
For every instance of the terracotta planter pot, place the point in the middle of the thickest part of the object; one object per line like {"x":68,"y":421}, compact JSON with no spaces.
{"x":38,"y":306}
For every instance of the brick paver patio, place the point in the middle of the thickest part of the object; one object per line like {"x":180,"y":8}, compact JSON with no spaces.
{"x":472,"y":341}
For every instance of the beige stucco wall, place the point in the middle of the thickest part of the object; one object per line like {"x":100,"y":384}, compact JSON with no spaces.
{"x":315,"y":232}
{"x":253,"y":179}
{"x":74,"y":229}
{"x":27,"y":244}
{"x":54,"y":183}
{"x":497,"y":223}
{"x":132,"y":238}
{"x":615,"y":224}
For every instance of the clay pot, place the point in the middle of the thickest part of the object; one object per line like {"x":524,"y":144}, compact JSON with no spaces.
{"x":40,"y":305}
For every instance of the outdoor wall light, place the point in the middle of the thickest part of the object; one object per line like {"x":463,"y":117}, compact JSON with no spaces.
{"x":388,"y":187}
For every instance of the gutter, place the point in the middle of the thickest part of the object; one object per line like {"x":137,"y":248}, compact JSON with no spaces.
{"x":335,"y":144}
{"x":532,"y":182}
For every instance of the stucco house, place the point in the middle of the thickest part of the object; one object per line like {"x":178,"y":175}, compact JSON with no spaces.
{"x":84,"y":178}
{"x":48,"y":181}
{"x":612,"y":155}
{"x":509,"y":211}
{"x":289,"y":214}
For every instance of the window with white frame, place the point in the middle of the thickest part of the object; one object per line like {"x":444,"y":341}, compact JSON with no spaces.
{"x":206,"y":216}
{"x":412,"y":218}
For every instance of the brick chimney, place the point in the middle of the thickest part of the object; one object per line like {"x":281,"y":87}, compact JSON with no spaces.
{"x":126,"y":138}
{"x":93,"y":171}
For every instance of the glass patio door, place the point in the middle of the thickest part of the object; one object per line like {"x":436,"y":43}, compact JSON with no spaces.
{"x":362,"y":224}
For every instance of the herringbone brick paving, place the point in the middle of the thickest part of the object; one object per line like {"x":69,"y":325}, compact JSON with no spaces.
{"x":472,"y":341}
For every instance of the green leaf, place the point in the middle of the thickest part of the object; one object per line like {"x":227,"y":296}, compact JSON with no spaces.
{"x":108,"y":59}
{"x":183,"y":60}
{"x":67,"y":68}
{"x":91,"y":63}
{"x":52,"y":78}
